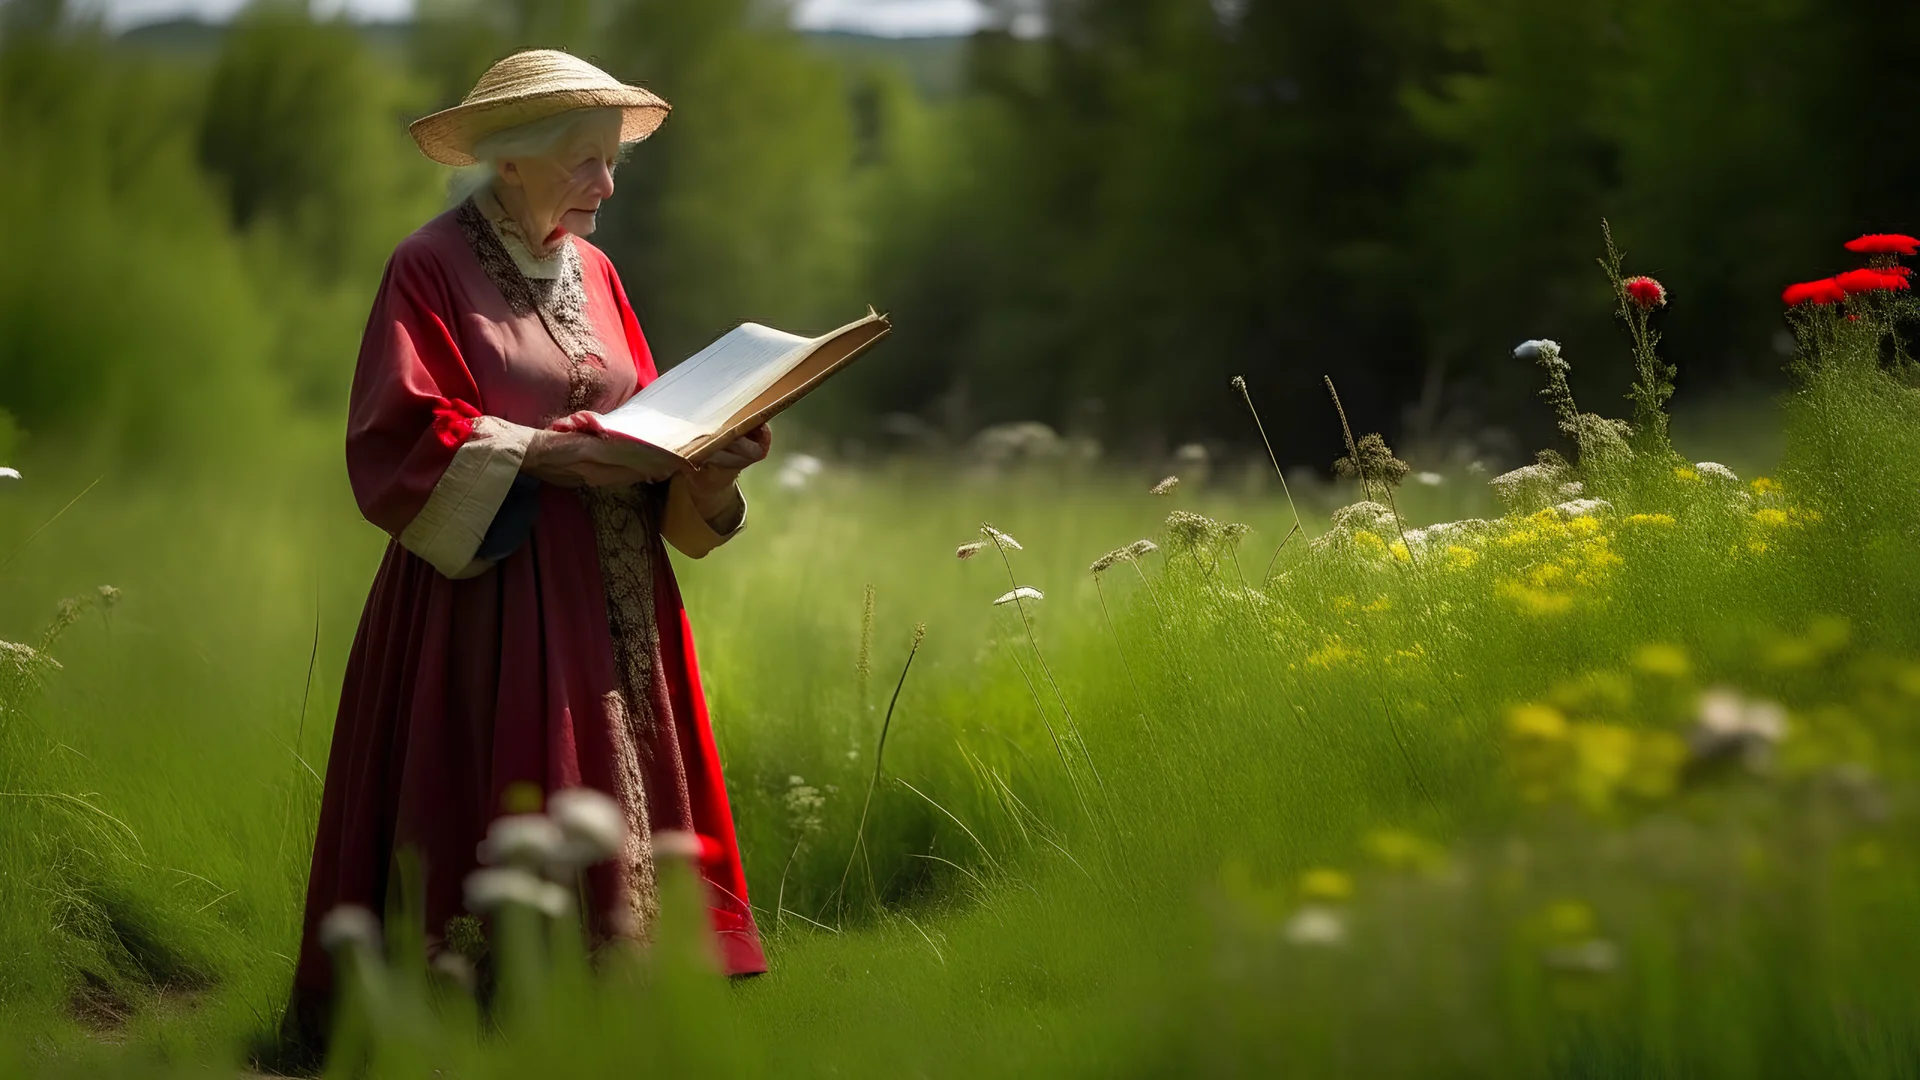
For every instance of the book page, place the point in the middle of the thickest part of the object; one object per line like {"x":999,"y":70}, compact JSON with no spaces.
{"x":705,"y":390}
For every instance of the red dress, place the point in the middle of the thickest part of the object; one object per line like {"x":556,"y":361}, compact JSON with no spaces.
{"x":552,"y":652}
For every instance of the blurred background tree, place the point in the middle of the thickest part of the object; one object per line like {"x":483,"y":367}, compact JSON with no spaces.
{"x":1093,"y":227}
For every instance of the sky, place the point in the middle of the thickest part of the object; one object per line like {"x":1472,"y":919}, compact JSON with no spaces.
{"x":890,"y":18}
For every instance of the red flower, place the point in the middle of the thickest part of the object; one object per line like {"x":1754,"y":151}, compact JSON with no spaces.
{"x":453,"y":422}
{"x":1824,"y":291}
{"x":1902,"y":271}
{"x":1884,"y":244}
{"x":1646,"y":292}
{"x":1870,"y":279}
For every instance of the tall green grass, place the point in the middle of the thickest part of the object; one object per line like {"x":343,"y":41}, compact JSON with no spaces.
{"x":1444,"y":807}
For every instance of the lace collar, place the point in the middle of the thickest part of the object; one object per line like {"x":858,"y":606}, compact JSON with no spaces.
{"x":534,"y":266}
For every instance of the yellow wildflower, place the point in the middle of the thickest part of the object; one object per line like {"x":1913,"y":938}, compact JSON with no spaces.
{"x":1764,"y":486}
{"x":1585,"y":525}
{"x":1334,"y":652}
{"x":1378,"y":604}
{"x":1659,"y":658}
{"x":1342,"y":603}
{"x":1461,"y":558}
{"x":1664,"y":521}
{"x":1368,"y":542}
{"x":1604,"y":757}
{"x":1321,"y":883}
{"x":1543,"y":723}
{"x":1536,"y":601}
{"x":1770,"y":518}
{"x":1399,"y":550}
{"x":1685,"y":472}
{"x":1402,"y":850}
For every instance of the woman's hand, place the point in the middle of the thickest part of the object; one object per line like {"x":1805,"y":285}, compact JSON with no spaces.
{"x":577,"y":452}
{"x":713,"y":481}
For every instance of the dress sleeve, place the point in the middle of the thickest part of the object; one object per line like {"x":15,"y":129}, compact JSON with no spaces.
{"x":426,"y":463}
{"x":680,"y":524}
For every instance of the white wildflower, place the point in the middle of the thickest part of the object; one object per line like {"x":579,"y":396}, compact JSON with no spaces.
{"x":493,"y":887}
{"x":1536,"y":350}
{"x":1317,"y":925}
{"x":1530,"y":486}
{"x":677,"y":844}
{"x":1728,"y":725}
{"x":591,"y":825}
{"x":799,"y":470}
{"x":1716,"y":472}
{"x":1578,"y":508}
{"x":1573,"y":489}
{"x":998,"y":537}
{"x":1429,"y":479}
{"x":804,"y":804}
{"x":9,"y":474}
{"x":1164,"y":487}
{"x":1141,"y":547}
{"x":350,"y":926}
{"x":1022,"y":593}
{"x":521,"y":840}
{"x":1595,"y":956}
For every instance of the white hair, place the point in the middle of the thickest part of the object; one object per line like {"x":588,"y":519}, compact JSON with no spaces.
{"x":536,"y":138}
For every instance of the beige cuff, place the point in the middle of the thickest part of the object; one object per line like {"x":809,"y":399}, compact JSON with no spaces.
{"x":448,"y":530}
{"x":685,"y":529}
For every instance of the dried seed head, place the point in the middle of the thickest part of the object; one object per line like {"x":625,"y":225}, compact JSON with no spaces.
{"x":1187,"y":529}
{"x":1141,"y":547}
{"x":919,"y":635}
{"x":969,"y":549}
{"x":1164,"y":487}
{"x":1022,"y":593}
{"x":109,"y":596}
{"x":1105,"y":562}
{"x":998,"y":537}
{"x":1239,"y":383}
{"x":1372,"y":462}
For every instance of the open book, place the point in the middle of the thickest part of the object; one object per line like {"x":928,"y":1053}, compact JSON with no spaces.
{"x":736,"y":384}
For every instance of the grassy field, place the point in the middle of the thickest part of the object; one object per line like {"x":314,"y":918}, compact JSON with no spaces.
{"x":1576,"y":788}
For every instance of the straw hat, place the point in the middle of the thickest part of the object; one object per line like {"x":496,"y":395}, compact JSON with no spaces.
{"x":529,"y":86}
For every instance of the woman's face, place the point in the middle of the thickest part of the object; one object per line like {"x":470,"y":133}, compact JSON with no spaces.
{"x":562,"y":191}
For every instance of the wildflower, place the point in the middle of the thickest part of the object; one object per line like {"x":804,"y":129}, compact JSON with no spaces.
{"x":1317,"y":925}
{"x":1660,"y":520}
{"x":1164,"y":487}
{"x":1728,"y":725}
{"x":1429,"y":479}
{"x":521,"y":840}
{"x":350,"y":926}
{"x":999,"y":538}
{"x":1824,"y":291}
{"x":804,"y":803}
{"x":1686,"y":472}
{"x":1595,"y":956}
{"x":1331,"y":654}
{"x":1105,"y":562}
{"x":1402,"y":850}
{"x":9,"y":474}
{"x":1771,"y":518}
{"x":591,"y":825}
{"x":1713,"y":470}
{"x":969,"y":550}
{"x":1022,"y":593}
{"x":1539,"y":350}
{"x":1763,"y":485}
{"x":1542,"y":723}
{"x":1461,"y":558}
{"x":1870,"y":279}
{"x":1530,"y":486}
{"x":1188,"y":529}
{"x":1321,"y":883}
{"x":799,"y":471}
{"x":494,"y":887}
{"x":1662,"y":659}
{"x":1141,"y":547}
{"x":1238,"y":382}
{"x":688,"y":846}
{"x":109,"y":596}
{"x":1645,"y":292}
{"x":453,"y":422}
{"x":1884,"y":244}
{"x":1582,"y":508}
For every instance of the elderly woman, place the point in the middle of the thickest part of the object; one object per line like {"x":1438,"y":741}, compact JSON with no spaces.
{"x":524,"y":633}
